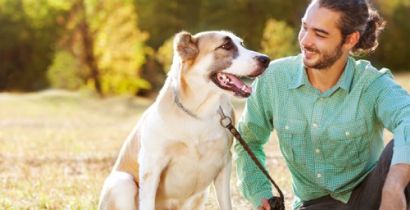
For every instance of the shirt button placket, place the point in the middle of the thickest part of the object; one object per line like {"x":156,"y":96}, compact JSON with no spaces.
{"x":316,"y":118}
{"x":316,"y":130}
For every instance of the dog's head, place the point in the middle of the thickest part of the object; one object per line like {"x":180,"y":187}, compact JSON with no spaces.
{"x":218,"y":58}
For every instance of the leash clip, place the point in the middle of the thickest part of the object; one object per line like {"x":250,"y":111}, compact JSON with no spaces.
{"x":225,"y":120}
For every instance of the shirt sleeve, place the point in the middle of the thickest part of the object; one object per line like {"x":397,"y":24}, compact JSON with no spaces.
{"x":393,"y":110}
{"x":255,"y":126}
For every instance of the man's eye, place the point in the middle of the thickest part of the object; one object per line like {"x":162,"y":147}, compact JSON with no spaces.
{"x":320,"y":36}
{"x":226,"y":46}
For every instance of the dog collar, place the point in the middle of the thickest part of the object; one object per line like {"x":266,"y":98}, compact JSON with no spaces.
{"x":181,"y":106}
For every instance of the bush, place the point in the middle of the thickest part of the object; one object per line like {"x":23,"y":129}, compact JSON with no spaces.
{"x":164,"y":53}
{"x":279,"y":39}
{"x":63,"y":72}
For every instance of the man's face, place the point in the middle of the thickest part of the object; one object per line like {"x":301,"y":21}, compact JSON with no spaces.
{"x":320,"y":38}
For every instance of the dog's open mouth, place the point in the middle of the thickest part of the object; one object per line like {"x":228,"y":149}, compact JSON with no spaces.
{"x":232,"y":83}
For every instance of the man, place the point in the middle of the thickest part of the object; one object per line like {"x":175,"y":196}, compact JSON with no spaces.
{"x":329,"y":112}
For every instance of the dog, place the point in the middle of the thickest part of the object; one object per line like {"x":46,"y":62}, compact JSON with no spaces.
{"x":178,"y":147}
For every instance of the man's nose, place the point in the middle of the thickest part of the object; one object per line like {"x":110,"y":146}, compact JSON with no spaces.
{"x":305,"y":39}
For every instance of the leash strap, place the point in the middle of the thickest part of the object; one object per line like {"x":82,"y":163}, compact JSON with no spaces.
{"x":276,"y":203}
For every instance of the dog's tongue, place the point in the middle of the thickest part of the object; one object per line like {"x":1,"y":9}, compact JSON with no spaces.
{"x":230,"y":80}
{"x":241,"y":85}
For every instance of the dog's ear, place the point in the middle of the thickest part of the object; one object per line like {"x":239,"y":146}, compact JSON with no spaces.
{"x":185,"y":45}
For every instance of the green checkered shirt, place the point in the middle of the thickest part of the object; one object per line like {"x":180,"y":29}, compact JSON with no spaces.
{"x":331,"y":140}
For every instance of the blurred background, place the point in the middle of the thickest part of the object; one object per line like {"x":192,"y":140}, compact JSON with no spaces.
{"x":124,"y":46}
{"x":75,"y":76}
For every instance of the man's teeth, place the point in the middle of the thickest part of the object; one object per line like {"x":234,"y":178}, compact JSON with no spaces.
{"x":244,"y":88}
{"x":309,"y":51}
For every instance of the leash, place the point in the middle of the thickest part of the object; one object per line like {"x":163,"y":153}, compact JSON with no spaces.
{"x":276,"y":203}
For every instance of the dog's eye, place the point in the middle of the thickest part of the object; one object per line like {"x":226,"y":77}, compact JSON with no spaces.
{"x":227,"y":46}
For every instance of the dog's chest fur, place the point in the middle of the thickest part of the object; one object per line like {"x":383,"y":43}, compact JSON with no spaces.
{"x":194,"y":168}
{"x":197,"y":150}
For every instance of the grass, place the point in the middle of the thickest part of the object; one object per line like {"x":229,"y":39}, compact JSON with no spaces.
{"x":57,"y":147}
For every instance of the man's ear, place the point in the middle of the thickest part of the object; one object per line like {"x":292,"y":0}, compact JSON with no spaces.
{"x":352,"y":39}
{"x":185,"y":45}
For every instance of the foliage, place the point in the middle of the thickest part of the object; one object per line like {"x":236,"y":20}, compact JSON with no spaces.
{"x":394,"y":48}
{"x":124,"y":46}
{"x":278,"y":39}
{"x":104,"y":39}
{"x":389,"y":7}
{"x":165,"y":53}
{"x":27,"y":35}
{"x":119,"y":48}
{"x":164,"y":18}
{"x":63,"y":72}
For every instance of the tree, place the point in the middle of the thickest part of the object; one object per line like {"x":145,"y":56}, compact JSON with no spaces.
{"x":163,"y":18}
{"x":28,"y":32}
{"x":120,"y":48}
{"x":104,"y":38}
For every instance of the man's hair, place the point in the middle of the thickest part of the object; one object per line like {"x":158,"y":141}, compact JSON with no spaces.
{"x":357,"y":15}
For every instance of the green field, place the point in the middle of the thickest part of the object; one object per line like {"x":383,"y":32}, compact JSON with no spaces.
{"x":56,"y":148}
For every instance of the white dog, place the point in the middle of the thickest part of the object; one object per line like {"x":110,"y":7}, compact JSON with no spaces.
{"x":178,"y":148}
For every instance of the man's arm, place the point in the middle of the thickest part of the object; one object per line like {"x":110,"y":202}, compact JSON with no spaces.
{"x":393,"y":110}
{"x":255,"y":127}
{"x":397,"y":180}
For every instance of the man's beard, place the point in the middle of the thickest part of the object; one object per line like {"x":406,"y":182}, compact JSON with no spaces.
{"x":326,"y":59}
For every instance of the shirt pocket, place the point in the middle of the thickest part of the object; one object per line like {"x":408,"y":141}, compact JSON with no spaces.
{"x":346,"y":144}
{"x":291,"y":135}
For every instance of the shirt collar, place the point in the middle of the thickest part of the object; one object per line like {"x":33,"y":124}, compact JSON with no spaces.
{"x":345,"y":81}
{"x":300,"y":77}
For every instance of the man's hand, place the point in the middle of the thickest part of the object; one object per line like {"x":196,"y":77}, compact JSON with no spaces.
{"x":265,"y":205}
{"x":393,"y":190}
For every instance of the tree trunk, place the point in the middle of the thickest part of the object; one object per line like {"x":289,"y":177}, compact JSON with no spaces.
{"x":88,"y":44}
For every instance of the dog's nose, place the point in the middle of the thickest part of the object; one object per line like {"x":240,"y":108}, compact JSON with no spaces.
{"x":263,"y":60}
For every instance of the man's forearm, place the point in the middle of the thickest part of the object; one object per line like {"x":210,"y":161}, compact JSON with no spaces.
{"x":393,"y":190}
{"x":398,"y":177}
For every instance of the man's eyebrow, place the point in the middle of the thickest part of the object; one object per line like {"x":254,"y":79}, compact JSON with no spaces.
{"x":321,"y":31}
{"x":316,"y":29}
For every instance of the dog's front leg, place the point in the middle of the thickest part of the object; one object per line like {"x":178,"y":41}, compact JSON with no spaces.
{"x":223,"y":188}
{"x":150,"y":173}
